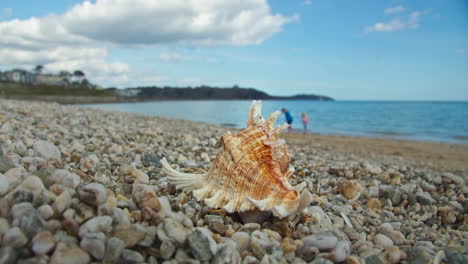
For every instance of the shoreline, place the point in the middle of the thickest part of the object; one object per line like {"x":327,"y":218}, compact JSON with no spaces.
{"x":76,"y":100}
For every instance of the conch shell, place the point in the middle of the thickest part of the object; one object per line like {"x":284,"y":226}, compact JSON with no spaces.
{"x":250,"y":172}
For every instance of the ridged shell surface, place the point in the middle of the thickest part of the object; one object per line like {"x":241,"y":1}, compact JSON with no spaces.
{"x":251,"y":171}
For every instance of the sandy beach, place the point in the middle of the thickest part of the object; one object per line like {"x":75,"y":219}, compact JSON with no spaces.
{"x":82,"y":185}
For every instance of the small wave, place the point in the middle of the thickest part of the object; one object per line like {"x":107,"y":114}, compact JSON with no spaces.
{"x":228,"y":125}
{"x":389,"y":133}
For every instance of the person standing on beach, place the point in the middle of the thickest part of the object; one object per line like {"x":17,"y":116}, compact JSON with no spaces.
{"x":305,"y":121}
{"x":289,"y":118}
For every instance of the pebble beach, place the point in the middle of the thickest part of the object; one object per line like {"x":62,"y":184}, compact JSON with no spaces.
{"x":81,"y":185}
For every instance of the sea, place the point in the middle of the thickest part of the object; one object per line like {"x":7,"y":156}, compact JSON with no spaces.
{"x":423,"y":121}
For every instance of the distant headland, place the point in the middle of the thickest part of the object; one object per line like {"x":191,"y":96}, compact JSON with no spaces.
{"x":209,"y":93}
{"x":74,"y":88}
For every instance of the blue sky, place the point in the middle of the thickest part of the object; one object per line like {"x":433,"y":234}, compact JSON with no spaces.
{"x":350,"y":50}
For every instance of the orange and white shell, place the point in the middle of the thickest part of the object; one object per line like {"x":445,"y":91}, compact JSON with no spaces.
{"x":250,"y":172}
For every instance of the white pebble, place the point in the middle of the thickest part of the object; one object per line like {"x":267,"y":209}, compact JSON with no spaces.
{"x":47,"y":150}
{"x":14,"y":237}
{"x":43,"y":242}
{"x":97,"y":224}
{"x":95,"y":244}
{"x":383,"y":241}
{"x":322,"y":242}
{"x":45,"y":211}
{"x":62,"y":202}
{"x":93,"y":193}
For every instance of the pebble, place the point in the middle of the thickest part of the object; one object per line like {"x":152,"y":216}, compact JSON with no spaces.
{"x":173,"y":230}
{"x":374,"y":259}
{"x":419,"y":254}
{"x":130,"y":235}
{"x":393,"y":255}
{"x":14,"y":237}
{"x":131,"y":256}
{"x":396,"y":236}
{"x":341,"y":252}
{"x":321,"y":261}
{"x":374,"y":203}
{"x":93,"y":194}
{"x":43,"y":242}
{"x":351,"y":190}
{"x":201,"y":244}
{"x":151,"y":159}
{"x":424,"y":198}
{"x":69,"y":253}
{"x":8,"y":255}
{"x":322,"y":242}
{"x":260,"y":244}
{"x":47,"y":150}
{"x":250,"y":227}
{"x":95,"y":244}
{"x":22,"y":196}
{"x":4,"y":184}
{"x":167,"y":249}
{"x":114,"y":248}
{"x":95,"y":225}
{"x":45,"y":211}
{"x":4,"y":226}
{"x":227,"y":253}
{"x":35,"y":260}
{"x":62,"y":202}
{"x":453,"y":178}
{"x":242,"y":240}
{"x":6,"y":165}
{"x":383,"y":241}
{"x":456,"y":257}
{"x":212,"y":141}
{"x":31,"y":222}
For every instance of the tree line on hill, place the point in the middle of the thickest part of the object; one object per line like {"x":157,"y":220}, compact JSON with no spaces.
{"x":208,"y":93}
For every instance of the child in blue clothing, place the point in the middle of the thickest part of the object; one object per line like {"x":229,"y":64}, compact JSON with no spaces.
{"x":289,"y":118}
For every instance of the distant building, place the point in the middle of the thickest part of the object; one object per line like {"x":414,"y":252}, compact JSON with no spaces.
{"x":51,"y":79}
{"x":64,"y":78}
{"x":128,"y":92}
{"x":18,"y":75}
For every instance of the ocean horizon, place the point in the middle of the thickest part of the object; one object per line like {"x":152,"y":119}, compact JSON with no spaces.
{"x":436,"y":121}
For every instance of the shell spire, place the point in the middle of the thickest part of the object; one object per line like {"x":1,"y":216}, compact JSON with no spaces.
{"x":251,"y":171}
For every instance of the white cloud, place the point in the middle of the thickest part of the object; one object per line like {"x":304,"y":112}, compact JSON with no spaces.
{"x":81,"y":37}
{"x":462,"y":51}
{"x":167,"y":56}
{"x":45,"y":41}
{"x":393,"y":25}
{"x":307,"y":2}
{"x":196,"y":22}
{"x":396,"y":24}
{"x":395,"y":10}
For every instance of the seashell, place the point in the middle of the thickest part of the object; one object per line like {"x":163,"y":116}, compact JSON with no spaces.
{"x":250,"y":172}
